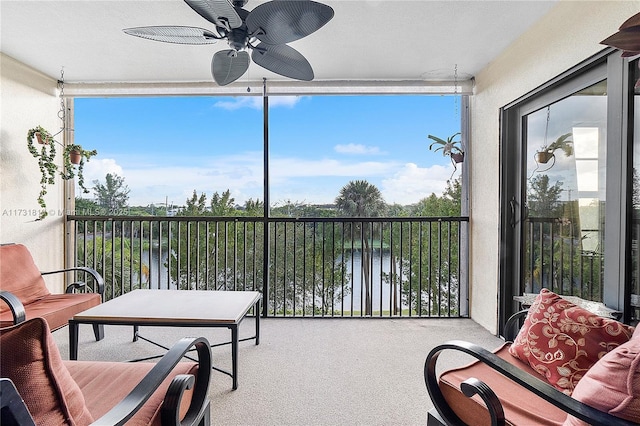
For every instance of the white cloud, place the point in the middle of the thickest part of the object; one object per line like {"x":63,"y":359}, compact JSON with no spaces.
{"x":284,"y":101}
{"x":253,"y":102}
{"x":256,"y":102}
{"x":353,"y":148}
{"x":411,"y":183}
{"x":298,"y":180}
{"x":282,"y":168}
{"x":97,"y":169}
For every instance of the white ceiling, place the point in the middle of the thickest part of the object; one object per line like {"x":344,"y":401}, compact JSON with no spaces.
{"x":367,"y":40}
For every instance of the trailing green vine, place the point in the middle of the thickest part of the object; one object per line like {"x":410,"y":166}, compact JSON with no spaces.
{"x":69,"y":171}
{"x":46,"y":162}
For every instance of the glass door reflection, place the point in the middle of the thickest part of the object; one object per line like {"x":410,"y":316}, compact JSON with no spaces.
{"x":563,"y":230}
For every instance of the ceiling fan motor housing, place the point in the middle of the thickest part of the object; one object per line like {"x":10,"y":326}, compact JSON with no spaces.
{"x":238,"y":38}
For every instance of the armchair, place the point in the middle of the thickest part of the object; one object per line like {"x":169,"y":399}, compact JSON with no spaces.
{"x":21,"y":279}
{"x":499,"y":388}
{"x":54,"y":391}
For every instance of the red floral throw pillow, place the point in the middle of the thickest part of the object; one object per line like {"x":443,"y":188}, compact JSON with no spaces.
{"x":561,"y":340}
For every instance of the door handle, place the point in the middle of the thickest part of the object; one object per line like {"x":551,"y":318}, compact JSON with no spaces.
{"x":513,"y":204}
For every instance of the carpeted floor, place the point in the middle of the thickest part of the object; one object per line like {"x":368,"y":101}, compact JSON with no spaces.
{"x":309,"y":371}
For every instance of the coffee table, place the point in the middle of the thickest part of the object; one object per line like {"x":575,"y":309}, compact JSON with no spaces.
{"x":174,"y":308}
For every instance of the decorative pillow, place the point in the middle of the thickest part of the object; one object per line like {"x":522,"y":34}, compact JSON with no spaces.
{"x":612,"y":385}
{"x":30,"y":358}
{"x":561,"y":340}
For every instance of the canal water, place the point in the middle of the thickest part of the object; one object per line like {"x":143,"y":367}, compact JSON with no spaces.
{"x":159,"y":279}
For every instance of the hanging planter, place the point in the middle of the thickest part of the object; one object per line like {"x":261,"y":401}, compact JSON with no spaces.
{"x":449,"y":147}
{"x":46,"y":156}
{"x":543,"y":157}
{"x":75,"y":156}
{"x":457,"y":157}
{"x":547,"y":152}
{"x":43,"y":137}
{"x":46,"y":161}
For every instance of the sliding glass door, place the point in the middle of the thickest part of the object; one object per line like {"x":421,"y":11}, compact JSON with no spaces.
{"x":568,"y":203}
{"x":564,"y":197}
{"x":634,"y":282}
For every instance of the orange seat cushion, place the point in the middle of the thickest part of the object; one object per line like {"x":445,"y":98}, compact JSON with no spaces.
{"x":520,"y":407}
{"x":104,"y":384}
{"x":55,"y":308}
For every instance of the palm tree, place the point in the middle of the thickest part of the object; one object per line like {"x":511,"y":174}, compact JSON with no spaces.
{"x":359,"y":198}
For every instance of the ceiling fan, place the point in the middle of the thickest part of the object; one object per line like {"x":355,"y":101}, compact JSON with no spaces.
{"x":265,"y":31}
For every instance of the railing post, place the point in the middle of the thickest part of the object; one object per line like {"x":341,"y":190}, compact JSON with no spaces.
{"x":267,"y":200}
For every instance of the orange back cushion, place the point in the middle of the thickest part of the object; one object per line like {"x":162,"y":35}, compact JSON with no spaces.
{"x":30,"y":358}
{"x":20,"y":275}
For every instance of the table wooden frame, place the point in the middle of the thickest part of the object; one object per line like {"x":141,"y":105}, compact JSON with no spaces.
{"x":175,"y":308}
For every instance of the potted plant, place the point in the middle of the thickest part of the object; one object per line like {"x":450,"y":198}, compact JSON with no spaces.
{"x":46,"y":155}
{"x":75,"y":155}
{"x":547,"y":152}
{"x":450,"y":147}
{"x":46,"y":161}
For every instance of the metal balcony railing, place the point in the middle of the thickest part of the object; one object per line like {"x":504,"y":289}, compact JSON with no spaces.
{"x":556,"y":257}
{"x":315,"y":267}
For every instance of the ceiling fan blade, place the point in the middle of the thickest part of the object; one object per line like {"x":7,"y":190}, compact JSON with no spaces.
{"x":228,"y":65}
{"x":174,"y":34}
{"x":219,"y":12}
{"x":280,"y":22}
{"x":624,"y":40}
{"x":283,"y":60}
{"x":631,"y":23}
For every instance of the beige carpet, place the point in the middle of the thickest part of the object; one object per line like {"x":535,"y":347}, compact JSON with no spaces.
{"x":310,"y":371}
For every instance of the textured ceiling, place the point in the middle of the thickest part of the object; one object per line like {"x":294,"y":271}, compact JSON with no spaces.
{"x":367,"y":40}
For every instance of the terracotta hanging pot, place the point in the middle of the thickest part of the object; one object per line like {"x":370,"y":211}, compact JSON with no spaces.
{"x":457,"y":157}
{"x":75,"y":156}
{"x":543,"y":157}
{"x":41,"y":139}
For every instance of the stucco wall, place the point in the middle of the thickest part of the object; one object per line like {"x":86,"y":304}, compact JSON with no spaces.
{"x":569,"y":34}
{"x":28,"y":99}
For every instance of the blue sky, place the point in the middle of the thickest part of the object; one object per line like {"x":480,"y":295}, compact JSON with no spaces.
{"x":168,"y":147}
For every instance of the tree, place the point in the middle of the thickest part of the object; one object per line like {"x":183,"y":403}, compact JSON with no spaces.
{"x":359,"y":198}
{"x":196,"y":206}
{"x":222,"y":205}
{"x":289,"y":208}
{"x":84,"y":207}
{"x":114,"y":259}
{"x":253,"y":208}
{"x":430,"y":263}
{"x":543,"y":199}
{"x":113,"y":195}
{"x":449,"y":204}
